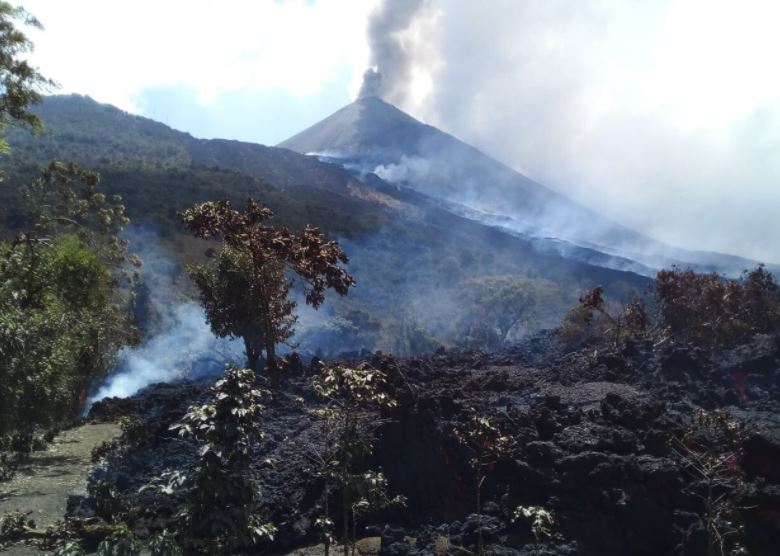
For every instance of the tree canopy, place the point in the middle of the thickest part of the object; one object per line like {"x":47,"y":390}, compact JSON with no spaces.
{"x":496,"y":305}
{"x":20,"y":83}
{"x":246,"y":293}
{"x":61,"y":320}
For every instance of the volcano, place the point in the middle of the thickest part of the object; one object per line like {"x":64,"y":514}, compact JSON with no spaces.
{"x":373,"y":137}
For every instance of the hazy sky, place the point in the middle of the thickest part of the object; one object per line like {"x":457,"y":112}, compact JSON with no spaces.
{"x":663,"y":115}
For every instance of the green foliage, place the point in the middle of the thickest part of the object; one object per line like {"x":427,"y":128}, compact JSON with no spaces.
{"x":107,"y":501}
{"x":241,"y":300}
{"x":349,"y":391}
{"x":59,"y":329}
{"x":487,"y":444}
{"x":164,"y":544}
{"x":483,"y":438}
{"x":65,"y":198}
{"x":228,"y":429}
{"x":20,"y":83}
{"x":70,"y":548}
{"x":541,"y":520}
{"x":352,"y":397}
{"x":13,"y":525}
{"x":61,"y":320}
{"x":266,"y":252}
{"x":122,"y":542}
{"x":159,"y":171}
{"x":373,"y":496}
{"x":7,"y":468}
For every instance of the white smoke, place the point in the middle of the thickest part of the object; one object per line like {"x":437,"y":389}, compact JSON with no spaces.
{"x":180,"y":342}
{"x":642,"y":112}
{"x":409,"y":169}
{"x":186,"y":349}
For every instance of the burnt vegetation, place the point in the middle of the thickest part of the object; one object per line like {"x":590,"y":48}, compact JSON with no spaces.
{"x":682,"y":306}
{"x":640,"y":435}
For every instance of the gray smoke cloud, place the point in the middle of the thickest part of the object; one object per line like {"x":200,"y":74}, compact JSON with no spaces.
{"x":641,"y":111}
{"x":392,"y":54}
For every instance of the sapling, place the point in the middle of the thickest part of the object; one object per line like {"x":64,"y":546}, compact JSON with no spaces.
{"x":352,"y":397}
{"x":709,"y":450}
{"x":483,"y":438}
{"x":221,"y":493}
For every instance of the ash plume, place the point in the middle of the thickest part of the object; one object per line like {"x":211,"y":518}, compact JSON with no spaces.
{"x":372,"y":84}
{"x":391,"y":55}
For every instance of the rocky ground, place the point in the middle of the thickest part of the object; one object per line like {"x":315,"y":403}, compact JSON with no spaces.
{"x":591,"y":439}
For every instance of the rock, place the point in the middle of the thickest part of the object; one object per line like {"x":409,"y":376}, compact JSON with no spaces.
{"x":490,"y":526}
{"x":393,"y":542}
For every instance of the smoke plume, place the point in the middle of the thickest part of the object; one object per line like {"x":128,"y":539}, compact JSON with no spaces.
{"x":393,"y":49}
{"x":622,"y":108}
{"x":179,"y":342}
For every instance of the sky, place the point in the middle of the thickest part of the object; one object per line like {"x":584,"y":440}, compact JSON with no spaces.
{"x":663,"y":115}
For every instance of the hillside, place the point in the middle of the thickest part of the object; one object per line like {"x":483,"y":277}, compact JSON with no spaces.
{"x":404,"y":246}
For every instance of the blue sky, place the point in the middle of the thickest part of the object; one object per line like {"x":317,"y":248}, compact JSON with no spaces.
{"x":257,"y":71}
{"x":267,"y":117}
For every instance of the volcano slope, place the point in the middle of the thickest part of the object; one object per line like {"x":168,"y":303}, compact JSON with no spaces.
{"x":591,"y":436}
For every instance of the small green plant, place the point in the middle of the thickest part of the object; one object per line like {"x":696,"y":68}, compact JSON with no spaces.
{"x":164,"y":544}
{"x":133,"y":429}
{"x":69,"y":548}
{"x":373,"y":496}
{"x":106,"y":499}
{"x":542,"y":521}
{"x":221,"y":492}
{"x":122,"y":542}
{"x":14,"y":525}
{"x":352,"y":398}
{"x":7,"y":468}
{"x":487,"y":444}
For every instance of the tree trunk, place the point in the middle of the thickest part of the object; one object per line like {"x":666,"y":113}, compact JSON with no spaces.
{"x":345,"y":515}
{"x":271,"y":368}
{"x":354,"y":532}
{"x":326,"y":513}
{"x":480,"y":542}
{"x":252,"y":354}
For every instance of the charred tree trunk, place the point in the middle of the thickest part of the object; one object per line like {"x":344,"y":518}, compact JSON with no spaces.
{"x":252,"y":351}
{"x":271,"y":367}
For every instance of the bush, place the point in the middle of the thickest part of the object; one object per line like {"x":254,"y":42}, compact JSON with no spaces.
{"x":593,"y":320}
{"x":221,"y":493}
{"x":59,"y":330}
{"x":705,"y":310}
{"x":709,"y":311}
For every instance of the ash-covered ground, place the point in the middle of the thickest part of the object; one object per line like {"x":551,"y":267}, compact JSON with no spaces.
{"x":591,"y":434}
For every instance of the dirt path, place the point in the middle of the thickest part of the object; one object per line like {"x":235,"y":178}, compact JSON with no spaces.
{"x":44,"y":484}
